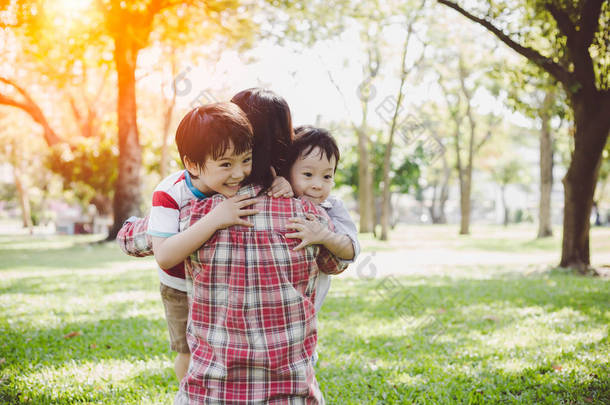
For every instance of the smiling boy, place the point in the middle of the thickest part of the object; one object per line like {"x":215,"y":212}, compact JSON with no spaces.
{"x":215,"y":145}
{"x":313,"y":160}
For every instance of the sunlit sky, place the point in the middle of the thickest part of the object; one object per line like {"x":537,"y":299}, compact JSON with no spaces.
{"x":302,"y":77}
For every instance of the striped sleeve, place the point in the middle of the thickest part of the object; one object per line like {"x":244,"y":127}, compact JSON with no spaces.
{"x":164,"y":218}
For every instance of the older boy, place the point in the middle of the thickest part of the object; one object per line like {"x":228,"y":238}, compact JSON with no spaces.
{"x":215,"y":145}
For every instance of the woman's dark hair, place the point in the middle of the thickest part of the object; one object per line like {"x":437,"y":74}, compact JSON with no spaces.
{"x":271,"y":121}
{"x":307,"y":138}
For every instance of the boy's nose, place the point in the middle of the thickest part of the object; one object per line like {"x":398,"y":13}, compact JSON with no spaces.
{"x":238,"y":173}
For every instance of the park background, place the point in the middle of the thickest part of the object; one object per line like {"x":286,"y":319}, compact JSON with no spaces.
{"x":475,"y":162}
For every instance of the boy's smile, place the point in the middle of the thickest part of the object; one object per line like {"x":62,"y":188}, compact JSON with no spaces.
{"x":223,"y":175}
{"x":312,"y":176}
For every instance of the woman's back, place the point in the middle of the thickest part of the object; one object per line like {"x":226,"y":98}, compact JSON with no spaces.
{"x":252,"y":329}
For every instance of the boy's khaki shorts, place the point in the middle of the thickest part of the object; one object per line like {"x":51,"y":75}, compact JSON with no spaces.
{"x":176,"y":313}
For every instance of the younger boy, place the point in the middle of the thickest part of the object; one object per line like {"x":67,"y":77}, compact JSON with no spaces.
{"x":215,"y":145}
{"x":313,"y":160}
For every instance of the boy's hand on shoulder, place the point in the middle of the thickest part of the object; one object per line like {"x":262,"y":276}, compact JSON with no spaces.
{"x":230,"y":211}
{"x":280,"y":187}
{"x":310,"y":231}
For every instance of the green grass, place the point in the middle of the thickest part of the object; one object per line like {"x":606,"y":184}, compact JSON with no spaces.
{"x":504,"y":338}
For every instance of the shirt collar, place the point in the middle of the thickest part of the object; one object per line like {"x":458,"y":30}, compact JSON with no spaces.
{"x":196,"y":192}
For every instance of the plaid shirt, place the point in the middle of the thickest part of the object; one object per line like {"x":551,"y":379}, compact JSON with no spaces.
{"x":252,"y":324}
{"x":134,"y":239}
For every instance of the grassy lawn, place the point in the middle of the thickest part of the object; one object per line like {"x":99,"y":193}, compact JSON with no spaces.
{"x":82,"y":323}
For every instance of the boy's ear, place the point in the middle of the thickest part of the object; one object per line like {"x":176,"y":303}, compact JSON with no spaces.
{"x":191,"y":166}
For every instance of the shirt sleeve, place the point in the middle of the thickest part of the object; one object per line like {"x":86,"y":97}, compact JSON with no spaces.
{"x":326,"y":261}
{"x":343,"y":224}
{"x":164,"y":218}
{"x":133,"y":237}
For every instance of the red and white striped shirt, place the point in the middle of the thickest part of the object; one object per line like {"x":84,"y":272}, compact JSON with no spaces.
{"x":170,"y":196}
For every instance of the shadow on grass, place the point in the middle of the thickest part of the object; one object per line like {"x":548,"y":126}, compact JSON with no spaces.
{"x":132,"y":338}
{"x":422,"y":368}
{"x":444,"y":295}
{"x":74,"y":284}
{"x":69,"y":255}
{"x":493,"y":341}
{"x":352,"y":384}
{"x":146,"y":387}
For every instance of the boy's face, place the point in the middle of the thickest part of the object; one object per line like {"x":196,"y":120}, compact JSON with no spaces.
{"x":312,"y":176}
{"x":223,"y":175}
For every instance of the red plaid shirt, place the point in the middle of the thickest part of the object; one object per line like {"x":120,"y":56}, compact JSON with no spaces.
{"x":252,"y":324}
{"x":133,"y":238}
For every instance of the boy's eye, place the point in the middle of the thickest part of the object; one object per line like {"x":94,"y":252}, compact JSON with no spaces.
{"x":328,"y":177}
{"x":247,"y":160}
{"x":307,"y":174}
{"x":225,"y":164}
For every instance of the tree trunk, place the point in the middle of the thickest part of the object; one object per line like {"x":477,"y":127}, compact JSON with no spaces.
{"x":433,"y":204}
{"x":546,"y":168}
{"x":466,"y":174}
{"x":103,"y":204}
{"x":465,"y":202}
{"x":504,"y":206}
{"x":167,"y":122}
{"x":387,"y":158}
{"x":163,"y":165}
{"x":440,"y":195}
{"x":127,"y":196}
{"x":24,"y":199}
{"x":592,"y":126}
{"x":385,"y":206}
{"x":442,"y":217}
{"x":365,"y":186}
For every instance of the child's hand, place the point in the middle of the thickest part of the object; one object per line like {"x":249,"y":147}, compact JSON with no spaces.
{"x":310,"y":231}
{"x":280,"y":187}
{"x":228,"y":212}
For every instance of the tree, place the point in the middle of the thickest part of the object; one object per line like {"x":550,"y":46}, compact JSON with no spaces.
{"x":405,"y":177}
{"x":509,"y":171}
{"x":575,"y":52}
{"x":371,"y":18}
{"x":395,"y":121}
{"x":545,"y":228}
{"x":538,"y":97}
{"x":459,"y":101}
{"x":128,"y":26}
{"x":440,"y":191}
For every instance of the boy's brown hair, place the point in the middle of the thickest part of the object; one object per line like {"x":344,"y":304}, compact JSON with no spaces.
{"x":209,"y":130}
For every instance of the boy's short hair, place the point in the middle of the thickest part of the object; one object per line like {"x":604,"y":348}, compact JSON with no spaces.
{"x":209,"y":130}
{"x":307,"y":138}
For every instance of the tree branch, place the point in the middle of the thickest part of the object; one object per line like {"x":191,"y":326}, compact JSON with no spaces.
{"x":589,"y":21}
{"x":556,"y":70}
{"x":564,"y":23}
{"x":32,"y":109}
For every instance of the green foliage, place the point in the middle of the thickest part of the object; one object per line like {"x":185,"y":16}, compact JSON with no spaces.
{"x":8,"y":193}
{"x":89,"y":167}
{"x":509,"y":172}
{"x":531,"y":23}
{"x":404,"y":178}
